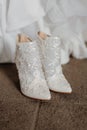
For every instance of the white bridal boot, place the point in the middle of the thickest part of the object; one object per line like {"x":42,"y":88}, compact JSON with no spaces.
{"x":52,"y":65}
{"x":32,"y":81}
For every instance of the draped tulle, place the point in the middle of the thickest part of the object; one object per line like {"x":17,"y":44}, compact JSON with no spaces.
{"x":14,"y":15}
{"x":65,"y":18}
{"x":68,"y":20}
{"x":23,"y":12}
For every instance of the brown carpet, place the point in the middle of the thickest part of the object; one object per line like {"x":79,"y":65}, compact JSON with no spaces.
{"x":63,"y":112}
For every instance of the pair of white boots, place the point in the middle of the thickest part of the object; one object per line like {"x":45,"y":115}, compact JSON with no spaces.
{"x":39,"y":67}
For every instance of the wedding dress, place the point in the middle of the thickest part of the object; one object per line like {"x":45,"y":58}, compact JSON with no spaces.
{"x":14,"y":15}
{"x":65,"y":18}
{"x":68,"y":20}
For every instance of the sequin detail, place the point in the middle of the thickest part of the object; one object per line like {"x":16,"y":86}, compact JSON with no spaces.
{"x":50,"y":50}
{"x":33,"y":83}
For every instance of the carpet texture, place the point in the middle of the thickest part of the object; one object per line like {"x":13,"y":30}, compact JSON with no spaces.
{"x":63,"y":112}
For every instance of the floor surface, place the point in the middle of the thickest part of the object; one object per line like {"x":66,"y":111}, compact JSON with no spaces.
{"x":63,"y":112}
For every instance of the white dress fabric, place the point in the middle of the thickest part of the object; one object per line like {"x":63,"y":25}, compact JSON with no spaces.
{"x":65,"y":18}
{"x":23,"y":12}
{"x":68,"y":20}
{"x":15,"y":14}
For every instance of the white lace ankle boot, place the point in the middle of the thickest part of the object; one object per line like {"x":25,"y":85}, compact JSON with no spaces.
{"x":52,"y":65}
{"x":32,"y":81}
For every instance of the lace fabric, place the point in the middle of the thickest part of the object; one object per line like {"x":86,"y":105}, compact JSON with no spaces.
{"x":51,"y":61}
{"x":29,"y":67}
{"x":27,"y":63}
{"x":50,"y":49}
